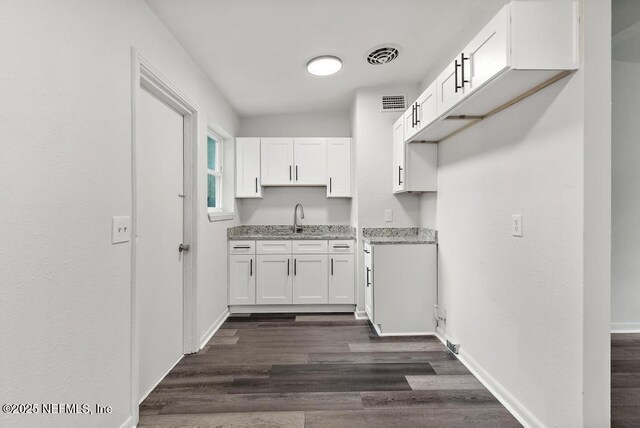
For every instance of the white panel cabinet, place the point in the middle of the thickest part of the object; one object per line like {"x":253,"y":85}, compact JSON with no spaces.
{"x":526,"y":46}
{"x":398,"y":156}
{"x":310,"y":278}
{"x":310,"y":161}
{"x":242,"y":280}
{"x":423,"y":112}
{"x":338,"y":167}
{"x":248,"y":168}
{"x":284,"y":272}
{"x":368,"y":282}
{"x":341,"y":278}
{"x":415,"y":165}
{"x":274,"y":281}
{"x":276,"y":161}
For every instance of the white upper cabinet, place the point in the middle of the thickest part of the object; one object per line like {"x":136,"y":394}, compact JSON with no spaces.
{"x":310,"y":161}
{"x":338,"y":167}
{"x":525,"y":47}
{"x":398,"y":156}
{"x":276,"y":161}
{"x":248,"y":168}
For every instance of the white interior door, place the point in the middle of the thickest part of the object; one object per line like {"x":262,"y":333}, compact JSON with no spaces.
{"x":159,"y":161}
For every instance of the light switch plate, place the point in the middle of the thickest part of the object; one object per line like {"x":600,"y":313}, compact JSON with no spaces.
{"x":516,"y":225}
{"x":120,"y":230}
{"x":388,"y":215}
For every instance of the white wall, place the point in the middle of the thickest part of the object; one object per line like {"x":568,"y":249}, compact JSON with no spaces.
{"x":625,"y":287}
{"x":373,"y":139}
{"x":528,"y":312}
{"x":66,"y":169}
{"x":277,"y":204}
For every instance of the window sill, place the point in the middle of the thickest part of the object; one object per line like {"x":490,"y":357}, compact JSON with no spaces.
{"x":220,"y":216}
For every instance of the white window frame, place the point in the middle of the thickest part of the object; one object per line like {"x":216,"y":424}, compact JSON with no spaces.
{"x":219,"y":174}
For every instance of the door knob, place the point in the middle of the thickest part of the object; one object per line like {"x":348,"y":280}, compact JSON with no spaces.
{"x":183,"y":247}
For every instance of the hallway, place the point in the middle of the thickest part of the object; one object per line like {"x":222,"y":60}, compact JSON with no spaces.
{"x":625,"y":380}
{"x":319,"y":370}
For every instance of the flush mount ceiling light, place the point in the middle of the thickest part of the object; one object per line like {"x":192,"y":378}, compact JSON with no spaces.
{"x":324,"y":65}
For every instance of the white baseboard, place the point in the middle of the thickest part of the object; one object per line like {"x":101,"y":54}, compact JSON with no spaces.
{"x":260,"y":309}
{"x":515,"y":407}
{"x":361,"y":315}
{"x":625,"y":327}
{"x":204,"y":339}
{"x":128,"y":423}
{"x":417,"y":333}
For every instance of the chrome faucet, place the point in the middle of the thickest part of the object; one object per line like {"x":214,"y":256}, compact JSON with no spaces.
{"x":296,"y":228}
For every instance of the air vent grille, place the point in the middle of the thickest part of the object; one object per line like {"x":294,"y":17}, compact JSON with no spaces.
{"x":381,"y":55}
{"x":394,"y":102}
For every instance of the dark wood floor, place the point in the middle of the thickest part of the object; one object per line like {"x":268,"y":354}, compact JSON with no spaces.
{"x":625,"y":380}
{"x":287,"y":370}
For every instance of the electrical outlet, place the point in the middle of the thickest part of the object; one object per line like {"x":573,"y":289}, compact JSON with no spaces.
{"x":388,"y":215}
{"x":120,"y":230}
{"x":516,"y":225}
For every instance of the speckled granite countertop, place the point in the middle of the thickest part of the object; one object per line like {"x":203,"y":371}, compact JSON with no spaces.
{"x":283,"y":232}
{"x":399,"y":235}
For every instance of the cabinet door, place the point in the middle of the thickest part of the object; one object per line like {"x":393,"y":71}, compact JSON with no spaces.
{"x":409,"y":119}
{"x":310,"y":279}
{"x":310,"y":155}
{"x":398,"y":157}
{"x":341,"y":279}
{"x":274,"y":280}
{"x":248,"y":168}
{"x":339,"y":167}
{"x":368,"y":283}
{"x":488,"y":52}
{"x":276,"y":161}
{"x":449,"y":87}
{"x":426,"y":107}
{"x":242,"y":280}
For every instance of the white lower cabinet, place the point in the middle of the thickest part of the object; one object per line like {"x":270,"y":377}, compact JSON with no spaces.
{"x":242,"y":279}
{"x":341,"y":274}
{"x":310,"y":279}
{"x":368,"y":278}
{"x":291,"y":272}
{"x":274,"y":281}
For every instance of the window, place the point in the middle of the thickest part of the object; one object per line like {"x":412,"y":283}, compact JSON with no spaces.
{"x":214,"y":172}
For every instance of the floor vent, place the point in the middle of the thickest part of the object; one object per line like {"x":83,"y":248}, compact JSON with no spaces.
{"x":453,"y":347}
{"x":394,"y":102}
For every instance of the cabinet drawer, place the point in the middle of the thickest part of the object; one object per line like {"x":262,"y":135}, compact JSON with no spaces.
{"x":310,"y":247}
{"x":274,"y":247}
{"x":341,"y":246}
{"x":242,"y":247}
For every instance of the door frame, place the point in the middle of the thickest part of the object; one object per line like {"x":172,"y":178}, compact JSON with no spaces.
{"x":144,"y":75}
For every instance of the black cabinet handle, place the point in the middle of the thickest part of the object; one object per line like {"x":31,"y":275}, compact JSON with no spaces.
{"x":413,"y":116}
{"x":331,"y":266}
{"x":367,"y":252}
{"x":295,"y":267}
{"x":296,"y":172}
{"x":340,"y":246}
{"x":417,"y":117}
{"x":251,"y":268}
{"x":289,"y":172}
{"x":462,"y":60}
{"x":238,"y":247}
{"x":330,"y":186}
{"x":368,"y":282}
{"x":288,"y":271}
{"x":399,"y":175}
{"x":256,"y":185}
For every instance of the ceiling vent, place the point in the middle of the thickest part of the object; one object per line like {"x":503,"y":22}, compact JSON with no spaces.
{"x":382,"y":54}
{"x":394,"y":102}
